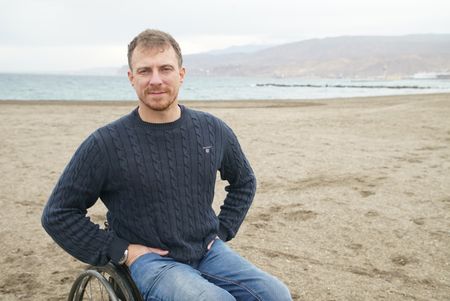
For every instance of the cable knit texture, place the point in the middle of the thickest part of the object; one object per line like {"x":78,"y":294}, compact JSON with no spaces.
{"x":157,"y":181}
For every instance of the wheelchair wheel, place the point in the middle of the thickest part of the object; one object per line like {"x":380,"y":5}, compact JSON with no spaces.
{"x":109,"y":282}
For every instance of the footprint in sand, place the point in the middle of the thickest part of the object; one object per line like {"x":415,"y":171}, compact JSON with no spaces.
{"x":419,"y":221}
{"x":300,"y":215}
{"x":402,"y":260}
{"x":354,"y":246}
{"x":371,"y":214}
{"x":366,"y":193}
{"x":281,"y":213}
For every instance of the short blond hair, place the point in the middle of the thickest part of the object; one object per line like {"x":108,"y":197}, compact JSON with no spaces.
{"x":152,"y":38}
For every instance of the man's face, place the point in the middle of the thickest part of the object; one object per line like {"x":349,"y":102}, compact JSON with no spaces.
{"x":156,"y":77}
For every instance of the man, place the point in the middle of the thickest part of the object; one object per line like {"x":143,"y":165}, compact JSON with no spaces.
{"x":155,"y":170}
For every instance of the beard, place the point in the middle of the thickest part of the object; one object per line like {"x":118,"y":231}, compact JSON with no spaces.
{"x":158,"y":102}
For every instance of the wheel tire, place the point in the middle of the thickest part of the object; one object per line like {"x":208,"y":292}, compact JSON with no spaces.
{"x":109,"y":282}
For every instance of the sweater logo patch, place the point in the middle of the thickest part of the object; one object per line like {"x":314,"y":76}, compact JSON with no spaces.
{"x":207,"y":149}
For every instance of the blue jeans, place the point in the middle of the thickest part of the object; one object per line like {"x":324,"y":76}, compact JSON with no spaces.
{"x":221,"y":274}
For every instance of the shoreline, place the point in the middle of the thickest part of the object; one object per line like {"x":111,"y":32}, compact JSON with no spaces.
{"x":218,"y":103}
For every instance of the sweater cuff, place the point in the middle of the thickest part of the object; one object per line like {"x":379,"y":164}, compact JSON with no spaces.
{"x":117,"y":248}
{"x":223,"y":233}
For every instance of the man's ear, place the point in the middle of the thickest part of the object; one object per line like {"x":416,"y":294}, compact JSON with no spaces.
{"x":131,"y":77}
{"x":182,"y":74}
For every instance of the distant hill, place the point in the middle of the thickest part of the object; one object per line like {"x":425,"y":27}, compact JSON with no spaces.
{"x":239,"y":49}
{"x":346,"y":57}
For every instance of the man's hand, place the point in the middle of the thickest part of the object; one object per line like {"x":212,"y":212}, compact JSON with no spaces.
{"x":136,"y":251}
{"x":211,"y":243}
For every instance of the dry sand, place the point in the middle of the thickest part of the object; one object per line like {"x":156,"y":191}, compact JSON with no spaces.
{"x":353,"y":200}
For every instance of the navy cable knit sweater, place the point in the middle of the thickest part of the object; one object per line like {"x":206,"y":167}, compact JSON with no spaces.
{"x":157,"y":181}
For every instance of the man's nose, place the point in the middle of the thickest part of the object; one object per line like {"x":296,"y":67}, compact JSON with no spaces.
{"x":155,"y":79}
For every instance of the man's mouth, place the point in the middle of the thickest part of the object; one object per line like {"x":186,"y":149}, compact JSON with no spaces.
{"x":155,"y":92}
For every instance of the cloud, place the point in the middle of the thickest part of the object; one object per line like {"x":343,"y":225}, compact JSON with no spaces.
{"x":60,"y":58}
{"x":46,"y":29}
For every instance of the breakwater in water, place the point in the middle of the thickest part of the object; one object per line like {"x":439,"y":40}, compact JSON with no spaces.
{"x":342,"y":86}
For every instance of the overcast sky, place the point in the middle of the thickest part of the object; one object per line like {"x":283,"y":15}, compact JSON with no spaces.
{"x":50,"y":35}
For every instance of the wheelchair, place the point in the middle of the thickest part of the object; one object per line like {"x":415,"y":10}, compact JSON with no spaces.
{"x":109,"y":282}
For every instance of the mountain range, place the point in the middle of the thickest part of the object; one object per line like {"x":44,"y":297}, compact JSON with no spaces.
{"x":387,"y":57}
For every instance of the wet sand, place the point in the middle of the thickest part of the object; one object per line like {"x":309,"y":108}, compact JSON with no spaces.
{"x":353,"y":199}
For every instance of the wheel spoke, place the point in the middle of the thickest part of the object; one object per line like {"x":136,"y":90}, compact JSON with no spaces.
{"x":90,"y":290}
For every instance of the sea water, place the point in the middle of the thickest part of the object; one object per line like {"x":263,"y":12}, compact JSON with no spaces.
{"x":98,"y":88}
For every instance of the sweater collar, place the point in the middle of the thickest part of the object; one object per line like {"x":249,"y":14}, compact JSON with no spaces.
{"x":161,"y":126}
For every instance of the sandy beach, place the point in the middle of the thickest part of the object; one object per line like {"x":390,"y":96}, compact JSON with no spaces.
{"x":353,"y":199}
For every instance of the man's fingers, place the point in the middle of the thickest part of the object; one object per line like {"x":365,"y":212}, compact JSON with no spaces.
{"x":136,"y":251}
{"x":212,"y":241}
{"x":158,"y":251}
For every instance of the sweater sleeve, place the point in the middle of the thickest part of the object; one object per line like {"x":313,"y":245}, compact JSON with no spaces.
{"x":64,"y":216}
{"x":235,"y":169}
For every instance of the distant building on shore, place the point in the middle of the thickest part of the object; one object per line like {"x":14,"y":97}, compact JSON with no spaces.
{"x":432,"y":75}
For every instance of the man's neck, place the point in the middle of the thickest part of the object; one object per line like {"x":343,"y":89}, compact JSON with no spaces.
{"x":151,"y":116}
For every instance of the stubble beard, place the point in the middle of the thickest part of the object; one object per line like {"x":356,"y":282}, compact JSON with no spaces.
{"x":159,"y":105}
